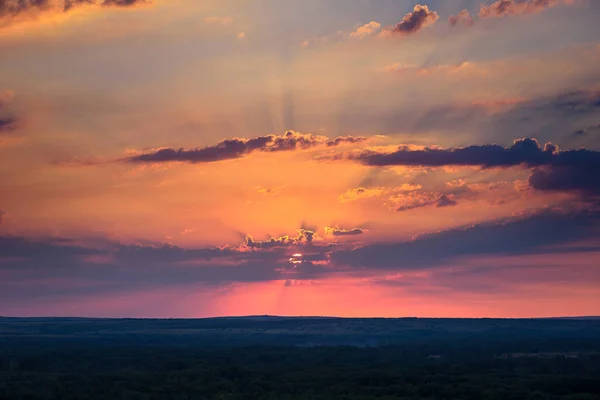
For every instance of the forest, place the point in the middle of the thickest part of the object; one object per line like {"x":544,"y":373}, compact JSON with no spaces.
{"x":299,"y":358}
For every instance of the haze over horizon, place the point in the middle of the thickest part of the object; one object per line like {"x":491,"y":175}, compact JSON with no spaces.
{"x":389,"y":158}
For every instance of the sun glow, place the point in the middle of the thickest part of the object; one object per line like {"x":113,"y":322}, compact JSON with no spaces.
{"x":296,"y":259}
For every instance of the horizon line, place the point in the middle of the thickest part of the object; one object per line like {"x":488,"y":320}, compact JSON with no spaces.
{"x":294,"y":317}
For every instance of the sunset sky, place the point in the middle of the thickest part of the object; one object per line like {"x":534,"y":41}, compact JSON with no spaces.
{"x":193,"y":158}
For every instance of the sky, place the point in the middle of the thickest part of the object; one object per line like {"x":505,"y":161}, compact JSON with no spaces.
{"x":357,"y":158}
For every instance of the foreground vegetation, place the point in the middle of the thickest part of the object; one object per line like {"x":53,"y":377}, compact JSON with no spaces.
{"x":552,"y":362}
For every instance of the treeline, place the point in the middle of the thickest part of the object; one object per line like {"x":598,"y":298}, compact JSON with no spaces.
{"x":462,"y":369}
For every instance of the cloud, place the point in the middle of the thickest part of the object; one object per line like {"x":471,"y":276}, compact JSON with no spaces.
{"x":266,"y":191}
{"x":536,"y":233}
{"x":465,"y":68}
{"x":366,"y":30}
{"x":236,"y":148}
{"x":344,"y":140}
{"x":2,"y":214}
{"x":15,"y":10}
{"x":526,"y":151}
{"x":304,"y":237}
{"x":462,"y":18}
{"x":76,"y":267}
{"x":360,"y":193}
{"x":418,"y":199}
{"x":421,"y":17}
{"x":95,"y":266}
{"x":409,"y":187}
{"x":577,"y":178}
{"x":445,"y":201}
{"x":7,"y":124}
{"x":586,"y":131}
{"x":502,"y":8}
{"x":187,"y":231}
{"x":116,"y":3}
{"x":523,"y":151}
{"x":571,"y":170}
{"x":343,"y":232}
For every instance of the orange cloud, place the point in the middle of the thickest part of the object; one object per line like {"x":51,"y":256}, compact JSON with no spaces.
{"x":360,"y":193}
{"x":366,"y":30}
{"x":462,"y":18}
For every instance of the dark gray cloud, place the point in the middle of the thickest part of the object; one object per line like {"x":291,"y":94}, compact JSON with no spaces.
{"x":55,"y":267}
{"x":236,"y":148}
{"x":48,"y":269}
{"x":11,"y":9}
{"x":15,"y":7}
{"x":7,"y":124}
{"x":539,"y":233}
{"x":571,"y":170}
{"x":344,"y":140}
{"x":343,"y":232}
{"x":419,"y":18}
{"x":445,"y":201}
{"x":523,"y":151}
{"x":586,"y":132}
{"x":567,"y":178}
{"x":121,"y":3}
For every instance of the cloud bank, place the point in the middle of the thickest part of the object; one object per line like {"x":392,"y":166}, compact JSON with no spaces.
{"x":571,"y":170}
{"x":502,"y":8}
{"x":15,"y":10}
{"x":236,"y":148}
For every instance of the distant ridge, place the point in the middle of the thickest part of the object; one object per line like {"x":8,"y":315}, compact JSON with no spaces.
{"x":267,"y":317}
